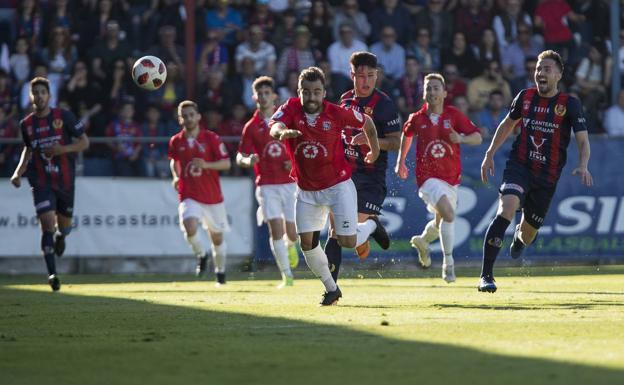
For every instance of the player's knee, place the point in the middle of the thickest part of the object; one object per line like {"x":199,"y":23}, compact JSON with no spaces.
{"x":348,"y":242}
{"x":448,"y":216}
{"x":309,"y":243}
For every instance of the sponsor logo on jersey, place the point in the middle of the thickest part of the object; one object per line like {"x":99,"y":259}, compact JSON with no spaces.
{"x":541,"y":110}
{"x":274,"y":149}
{"x":438,"y":150}
{"x":310,"y":151}
{"x":536,"y":154}
{"x":560,"y":109}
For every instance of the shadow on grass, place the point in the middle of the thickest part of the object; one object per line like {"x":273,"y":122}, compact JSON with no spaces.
{"x":549,"y":306}
{"x":70,"y":339}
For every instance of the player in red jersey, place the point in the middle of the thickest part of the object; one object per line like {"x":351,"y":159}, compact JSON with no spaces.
{"x":197,"y":156}
{"x":52,"y":137}
{"x":312,"y":128}
{"x":275,"y":189}
{"x":546,"y":118}
{"x":439,"y":130}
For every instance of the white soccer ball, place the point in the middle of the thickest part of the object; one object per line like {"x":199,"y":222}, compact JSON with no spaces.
{"x":149,"y":72}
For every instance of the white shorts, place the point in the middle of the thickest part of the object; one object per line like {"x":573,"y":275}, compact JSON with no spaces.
{"x":312,"y":208}
{"x":276,"y":201}
{"x":212,"y":217}
{"x":433,"y":189}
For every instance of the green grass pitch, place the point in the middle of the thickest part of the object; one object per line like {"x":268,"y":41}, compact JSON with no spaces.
{"x":543,"y":326}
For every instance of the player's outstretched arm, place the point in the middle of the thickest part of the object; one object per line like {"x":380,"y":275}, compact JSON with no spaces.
{"x":371,"y":136}
{"x":401,"y":169}
{"x":280,"y":131}
{"x":21,"y":167}
{"x":505,"y":128}
{"x":244,"y":160}
{"x":582,"y":142}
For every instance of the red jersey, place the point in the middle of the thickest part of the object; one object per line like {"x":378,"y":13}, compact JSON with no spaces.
{"x":436,"y":156}
{"x":195,"y":183}
{"x":318,"y":155}
{"x":256,"y":139}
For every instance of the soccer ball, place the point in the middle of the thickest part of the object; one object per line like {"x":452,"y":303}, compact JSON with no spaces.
{"x":149,"y":72}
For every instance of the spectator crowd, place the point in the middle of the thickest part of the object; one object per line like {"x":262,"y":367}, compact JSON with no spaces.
{"x":486,"y":49}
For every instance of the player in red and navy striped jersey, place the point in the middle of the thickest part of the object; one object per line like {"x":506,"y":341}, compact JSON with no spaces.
{"x":546,"y":118}
{"x":52,"y":137}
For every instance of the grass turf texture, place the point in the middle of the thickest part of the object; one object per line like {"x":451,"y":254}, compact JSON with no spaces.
{"x":557,"y":326}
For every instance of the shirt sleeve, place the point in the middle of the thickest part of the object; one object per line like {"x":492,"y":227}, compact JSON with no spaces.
{"x":389,"y":118}
{"x":464,"y":125}
{"x":172,"y":152}
{"x":219,"y":150}
{"x":351,"y":118}
{"x":283,"y":115}
{"x":73,"y":126}
{"x":25,"y":136}
{"x":575,"y":115}
{"x":408,"y":127}
{"x":246,"y":144}
{"x":515,"y":111}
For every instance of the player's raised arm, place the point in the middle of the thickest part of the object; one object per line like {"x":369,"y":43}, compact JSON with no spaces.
{"x":505,"y":128}
{"x":582,"y":142}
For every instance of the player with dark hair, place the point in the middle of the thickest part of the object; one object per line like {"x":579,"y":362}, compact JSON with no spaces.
{"x":275,"y":189}
{"x":369,"y":178}
{"x":547,"y":118}
{"x":439,"y":130}
{"x":312,"y":128}
{"x":197,"y":156}
{"x":52,"y":137}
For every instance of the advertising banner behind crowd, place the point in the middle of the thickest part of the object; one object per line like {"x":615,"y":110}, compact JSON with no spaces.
{"x":117,"y":217}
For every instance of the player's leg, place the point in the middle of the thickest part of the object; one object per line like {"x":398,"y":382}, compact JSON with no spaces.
{"x":45,"y":205}
{"x":508,"y":205}
{"x":280,"y":250}
{"x":446,"y":209}
{"x":370,"y":197}
{"x":431,"y":193}
{"x":421,"y":242}
{"x":64,"y":211}
{"x":219,"y":255}
{"x":270,"y":201}
{"x":333,"y":249}
{"x":190,"y":213}
{"x":216,"y":222}
{"x":534,"y":211}
{"x":288,"y":213}
{"x":310,"y":217}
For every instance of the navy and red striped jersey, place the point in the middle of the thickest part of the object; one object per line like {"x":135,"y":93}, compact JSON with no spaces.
{"x":385,"y":115}
{"x":59,"y":126}
{"x":546,"y":125}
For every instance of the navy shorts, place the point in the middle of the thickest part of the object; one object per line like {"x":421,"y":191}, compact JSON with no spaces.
{"x":53,"y":200}
{"x":534,"y":197}
{"x":370,"y":194}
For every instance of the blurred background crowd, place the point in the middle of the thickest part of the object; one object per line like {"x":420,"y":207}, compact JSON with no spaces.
{"x":486,"y":49}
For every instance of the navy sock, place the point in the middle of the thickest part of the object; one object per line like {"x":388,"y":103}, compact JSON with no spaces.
{"x":47,"y":246}
{"x":334,"y":256}
{"x":492,"y":244}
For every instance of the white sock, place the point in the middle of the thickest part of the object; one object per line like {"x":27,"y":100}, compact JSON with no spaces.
{"x":447,"y":239}
{"x":364,"y":230}
{"x":431,"y":232}
{"x":280,"y":252}
{"x":219,"y":255}
{"x":317,"y":262}
{"x":196,"y":245}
